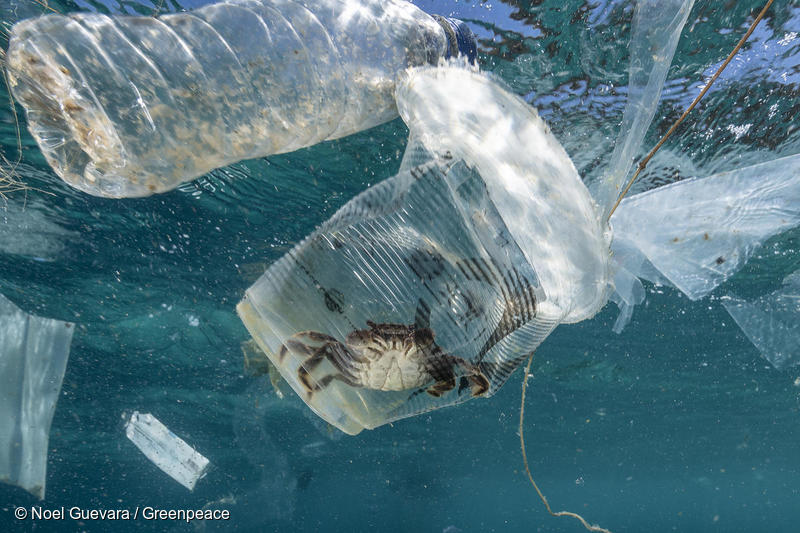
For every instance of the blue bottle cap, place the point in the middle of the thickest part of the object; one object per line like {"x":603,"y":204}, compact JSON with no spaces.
{"x":461,"y":40}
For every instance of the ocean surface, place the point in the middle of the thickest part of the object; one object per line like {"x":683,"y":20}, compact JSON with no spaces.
{"x":676,"y":424}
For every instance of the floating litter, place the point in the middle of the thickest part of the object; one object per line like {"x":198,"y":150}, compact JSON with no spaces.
{"x":166,"y":450}
{"x":125,"y":106}
{"x":696,"y":233}
{"x":772,"y":322}
{"x":431,"y":287}
{"x":33,"y":358}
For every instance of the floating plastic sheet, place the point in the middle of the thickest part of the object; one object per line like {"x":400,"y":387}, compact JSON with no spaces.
{"x":166,"y":450}
{"x":628,"y":289}
{"x":696,"y":233}
{"x":656,"y":29}
{"x":772,"y":322}
{"x":33,"y":358}
{"x":430,"y":288}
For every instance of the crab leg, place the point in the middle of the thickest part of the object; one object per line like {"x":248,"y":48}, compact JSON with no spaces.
{"x":305,"y":368}
{"x":298,"y":346}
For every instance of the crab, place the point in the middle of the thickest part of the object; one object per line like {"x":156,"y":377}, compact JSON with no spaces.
{"x":386,"y":357}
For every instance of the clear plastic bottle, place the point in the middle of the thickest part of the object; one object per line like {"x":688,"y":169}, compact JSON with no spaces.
{"x":128,"y":106}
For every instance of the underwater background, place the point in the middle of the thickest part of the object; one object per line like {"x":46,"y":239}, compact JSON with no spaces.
{"x":676,"y":424}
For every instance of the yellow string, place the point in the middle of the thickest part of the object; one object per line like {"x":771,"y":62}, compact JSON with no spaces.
{"x":586,"y":524}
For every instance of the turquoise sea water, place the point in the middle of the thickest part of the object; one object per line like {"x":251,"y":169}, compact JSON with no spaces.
{"x":677,"y":424}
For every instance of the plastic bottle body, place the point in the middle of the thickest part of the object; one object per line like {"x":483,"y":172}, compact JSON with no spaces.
{"x":129,"y":106}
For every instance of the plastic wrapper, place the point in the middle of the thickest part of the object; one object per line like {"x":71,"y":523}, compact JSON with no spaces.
{"x":33,"y":358}
{"x":128,"y":106}
{"x":772,"y":322}
{"x":431,"y":287}
{"x":166,"y":450}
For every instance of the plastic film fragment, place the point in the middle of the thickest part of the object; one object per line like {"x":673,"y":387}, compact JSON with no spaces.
{"x":657,"y":27}
{"x":772,"y":322}
{"x":33,"y":358}
{"x":696,"y":233}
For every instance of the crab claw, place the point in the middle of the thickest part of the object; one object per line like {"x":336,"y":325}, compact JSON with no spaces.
{"x":439,"y":388}
{"x":479,"y":385}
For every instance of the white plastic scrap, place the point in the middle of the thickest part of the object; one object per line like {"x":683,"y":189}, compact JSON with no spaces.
{"x":166,"y":450}
{"x":33,"y":358}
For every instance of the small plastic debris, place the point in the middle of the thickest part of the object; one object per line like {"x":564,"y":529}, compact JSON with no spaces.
{"x":33,"y":358}
{"x":166,"y":450}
